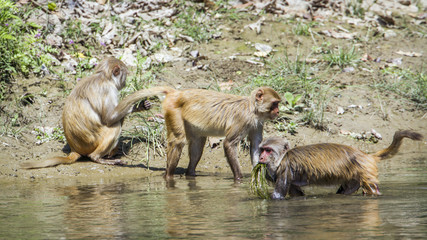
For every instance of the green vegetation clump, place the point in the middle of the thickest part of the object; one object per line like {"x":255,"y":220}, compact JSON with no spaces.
{"x":408,"y":83}
{"x":342,"y":57}
{"x":196,"y":24}
{"x":259,"y":184}
{"x":286,"y":75}
{"x":19,"y":52}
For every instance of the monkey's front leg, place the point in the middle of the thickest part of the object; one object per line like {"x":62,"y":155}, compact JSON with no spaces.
{"x":255,"y":138}
{"x":349,"y":187}
{"x":282,"y":185}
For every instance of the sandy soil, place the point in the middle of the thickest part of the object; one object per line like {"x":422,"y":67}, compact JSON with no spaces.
{"x":346,"y":89}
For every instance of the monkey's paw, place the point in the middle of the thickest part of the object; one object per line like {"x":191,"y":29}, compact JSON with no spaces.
{"x":142,"y":106}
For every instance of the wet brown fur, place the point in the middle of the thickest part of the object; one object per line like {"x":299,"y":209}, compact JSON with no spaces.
{"x":194,"y":114}
{"x":326,"y":163}
{"x":93,"y":116}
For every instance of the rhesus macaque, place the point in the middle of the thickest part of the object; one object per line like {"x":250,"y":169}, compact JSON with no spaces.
{"x":93,"y":116}
{"x":325,"y":163}
{"x":195,"y":114}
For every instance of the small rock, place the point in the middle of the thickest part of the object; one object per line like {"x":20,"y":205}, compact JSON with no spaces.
{"x":263,"y":50}
{"x":52,"y":60}
{"x":256,"y":26}
{"x":194,"y":53}
{"x":395,"y":61}
{"x":389,"y":34}
{"x":376,"y":134}
{"x":70,"y":66}
{"x":54,"y":40}
{"x":128,"y":58}
{"x":93,"y":62}
{"x":348,"y":69}
{"x":340,"y":111}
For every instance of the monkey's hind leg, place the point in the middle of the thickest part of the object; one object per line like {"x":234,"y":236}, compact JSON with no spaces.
{"x":107,"y":145}
{"x":349,"y":187}
{"x":230,"y":150}
{"x":173,"y":153}
{"x":195,"y":149}
{"x":176,"y":141}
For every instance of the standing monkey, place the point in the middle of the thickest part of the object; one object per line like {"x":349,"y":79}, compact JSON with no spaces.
{"x":195,"y":114}
{"x":325,"y":163}
{"x":93,"y":116}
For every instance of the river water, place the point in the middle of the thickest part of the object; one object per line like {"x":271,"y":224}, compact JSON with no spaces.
{"x":213,"y":207}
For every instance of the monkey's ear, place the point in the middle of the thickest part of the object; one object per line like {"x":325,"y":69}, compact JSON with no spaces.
{"x":259,"y":95}
{"x":116,"y":70}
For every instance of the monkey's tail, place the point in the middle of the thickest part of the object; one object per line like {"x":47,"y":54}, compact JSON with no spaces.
{"x":397,"y":141}
{"x":160,"y":92}
{"x":155,"y":91}
{"x":71,"y":158}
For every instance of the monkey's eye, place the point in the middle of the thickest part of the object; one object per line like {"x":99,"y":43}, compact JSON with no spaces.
{"x":274,"y":105}
{"x":267,"y":150}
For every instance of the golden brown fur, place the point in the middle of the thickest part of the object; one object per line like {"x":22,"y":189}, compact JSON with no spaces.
{"x":92,"y":116}
{"x":195,"y":114}
{"x":325,"y":163}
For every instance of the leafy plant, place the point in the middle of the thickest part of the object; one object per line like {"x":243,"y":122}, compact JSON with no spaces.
{"x":45,"y":134}
{"x":292,"y":102}
{"x":354,"y":8}
{"x":51,"y":6}
{"x":145,"y":75}
{"x":73,"y":30}
{"x":301,"y":29}
{"x":21,"y":50}
{"x":290,"y":127}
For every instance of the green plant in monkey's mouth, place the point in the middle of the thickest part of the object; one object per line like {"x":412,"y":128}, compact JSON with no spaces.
{"x":259,"y":184}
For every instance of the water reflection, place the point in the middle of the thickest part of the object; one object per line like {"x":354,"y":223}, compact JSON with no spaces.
{"x":93,"y":211}
{"x":212,"y":207}
{"x":325,"y":217}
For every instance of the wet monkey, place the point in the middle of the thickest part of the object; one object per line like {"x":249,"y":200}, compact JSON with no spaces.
{"x":325,"y":163}
{"x":194,"y":114}
{"x":92,"y":116}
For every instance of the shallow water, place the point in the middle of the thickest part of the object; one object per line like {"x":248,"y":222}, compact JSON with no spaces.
{"x":214,"y":207}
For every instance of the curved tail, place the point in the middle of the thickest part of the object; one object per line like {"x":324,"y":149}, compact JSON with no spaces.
{"x":71,"y":158}
{"x":397,"y":141}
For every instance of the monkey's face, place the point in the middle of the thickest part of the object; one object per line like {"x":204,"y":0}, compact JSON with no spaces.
{"x":268,"y":156}
{"x":119,"y":76}
{"x":273,"y":150}
{"x":267,"y":102}
{"x":274,"y":110}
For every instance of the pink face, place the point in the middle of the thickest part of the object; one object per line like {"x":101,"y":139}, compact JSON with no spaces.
{"x":265,"y":152}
